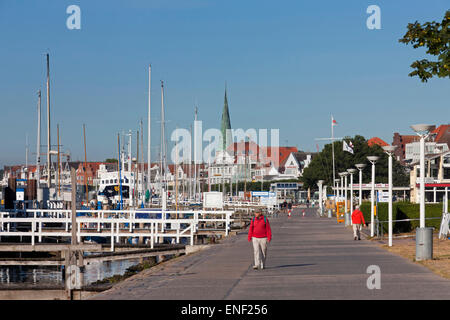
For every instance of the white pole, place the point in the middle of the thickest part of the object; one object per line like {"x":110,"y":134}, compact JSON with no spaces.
{"x":390,"y":199}
{"x":446,"y":200}
{"x":320,"y":197}
{"x":345,"y":194}
{"x":351,"y":196}
{"x":372,"y":200}
{"x":422,"y":182}
{"x":360,"y":187}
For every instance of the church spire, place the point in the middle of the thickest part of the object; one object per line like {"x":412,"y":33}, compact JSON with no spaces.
{"x":226,"y":124}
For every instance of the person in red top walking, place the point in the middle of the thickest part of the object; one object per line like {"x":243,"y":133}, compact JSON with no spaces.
{"x":260,"y":234}
{"x":358,"y":222}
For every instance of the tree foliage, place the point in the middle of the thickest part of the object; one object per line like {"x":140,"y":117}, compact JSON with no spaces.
{"x":436,"y":37}
{"x":110,"y":160}
{"x":321,"y":167}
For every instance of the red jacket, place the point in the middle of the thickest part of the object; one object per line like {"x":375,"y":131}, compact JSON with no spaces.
{"x":357,"y":217}
{"x":260,"y":228}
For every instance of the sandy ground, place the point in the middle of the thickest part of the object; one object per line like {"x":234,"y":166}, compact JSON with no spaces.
{"x":440,"y":264}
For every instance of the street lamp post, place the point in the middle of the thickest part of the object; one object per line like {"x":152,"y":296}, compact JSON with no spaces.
{"x":390,"y":151}
{"x":343,"y":176}
{"x":351,"y":171}
{"x":360,"y":167}
{"x":336,"y":199}
{"x":424,"y":236}
{"x":320,"y":182}
{"x":373,"y":160}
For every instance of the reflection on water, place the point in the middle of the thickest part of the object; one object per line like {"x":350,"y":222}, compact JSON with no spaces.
{"x":101,"y":270}
{"x":38,"y":275}
{"x":53,"y":275}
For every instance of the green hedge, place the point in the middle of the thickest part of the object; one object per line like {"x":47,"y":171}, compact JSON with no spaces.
{"x":405,"y":210}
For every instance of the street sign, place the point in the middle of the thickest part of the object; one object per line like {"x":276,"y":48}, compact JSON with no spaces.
{"x":213,"y":199}
{"x":382,"y":196}
{"x":260,"y":193}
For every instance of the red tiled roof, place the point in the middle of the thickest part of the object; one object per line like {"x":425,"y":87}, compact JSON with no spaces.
{"x":284,"y":153}
{"x":409,"y":138}
{"x":378,"y":141}
{"x":441,"y":131}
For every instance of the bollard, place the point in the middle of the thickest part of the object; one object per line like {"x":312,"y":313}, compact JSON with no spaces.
{"x":424,"y":244}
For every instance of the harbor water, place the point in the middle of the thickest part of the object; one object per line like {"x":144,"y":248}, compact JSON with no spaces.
{"x":53,"y":275}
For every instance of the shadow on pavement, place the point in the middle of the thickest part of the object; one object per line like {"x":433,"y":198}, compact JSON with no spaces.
{"x":292,"y":265}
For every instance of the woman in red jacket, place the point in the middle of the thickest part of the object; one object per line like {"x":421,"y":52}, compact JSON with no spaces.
{"x":260,"y":234}
{"x":358,"y":222}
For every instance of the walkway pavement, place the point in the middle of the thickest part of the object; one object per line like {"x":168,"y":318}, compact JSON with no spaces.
{"x":308,"y":258}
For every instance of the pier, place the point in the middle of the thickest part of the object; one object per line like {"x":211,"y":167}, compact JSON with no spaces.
{"x":309,"y":257}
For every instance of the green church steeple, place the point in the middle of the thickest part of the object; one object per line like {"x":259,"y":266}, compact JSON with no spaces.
{"x":225,"y":127}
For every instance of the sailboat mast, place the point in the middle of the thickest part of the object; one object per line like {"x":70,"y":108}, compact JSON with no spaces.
{"x":38,"y":144}
{"x":85,"y":166}
{"x":59,"y":172}
{"x":332,"y":148}
{"x":195,"y":163}
{"x":163,"y":138}
{"x":49,"y":157}
{"x":148,"y":130}
{"x":26,"y":154}
{"x":136,"y":170}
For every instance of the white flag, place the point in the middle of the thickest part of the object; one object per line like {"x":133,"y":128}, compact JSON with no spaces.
{"x":346,"y":147}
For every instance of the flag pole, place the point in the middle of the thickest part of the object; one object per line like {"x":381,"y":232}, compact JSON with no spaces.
{"x":332,"y":148}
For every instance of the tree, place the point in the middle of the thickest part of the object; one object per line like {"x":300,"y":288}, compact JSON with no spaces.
{"x":111,"y":160}
{"x":321,"y":167}
{"x":436,"y":37}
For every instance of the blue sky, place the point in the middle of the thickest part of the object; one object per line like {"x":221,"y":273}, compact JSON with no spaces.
{"x":287,"y":65}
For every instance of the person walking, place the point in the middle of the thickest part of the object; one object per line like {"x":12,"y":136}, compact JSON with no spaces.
{"x":260,"y":234}
{"x":358,"y":222}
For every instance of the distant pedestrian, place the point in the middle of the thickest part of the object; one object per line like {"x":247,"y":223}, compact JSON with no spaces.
{"x":260,"y":234}
{"x":358,"y":223}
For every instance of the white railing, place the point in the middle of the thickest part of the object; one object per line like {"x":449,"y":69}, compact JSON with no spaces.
{"x":118,"y":223}
{"x":243,"y":204}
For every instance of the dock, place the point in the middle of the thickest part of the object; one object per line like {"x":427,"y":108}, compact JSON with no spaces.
{"x":309,"y":258}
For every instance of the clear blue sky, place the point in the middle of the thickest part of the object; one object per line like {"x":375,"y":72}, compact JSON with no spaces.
{"x":287,"y":65}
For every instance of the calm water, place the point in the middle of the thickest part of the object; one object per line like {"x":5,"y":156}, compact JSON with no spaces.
{"x":52,"y":275}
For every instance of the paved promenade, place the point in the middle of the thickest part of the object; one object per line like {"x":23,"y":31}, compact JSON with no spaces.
{"x":308,"y":258}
